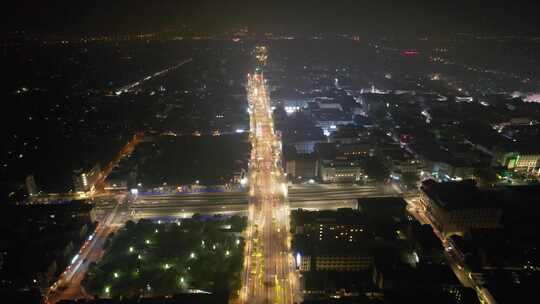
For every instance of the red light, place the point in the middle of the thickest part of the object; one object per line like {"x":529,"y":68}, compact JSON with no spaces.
{"x":410,"y":53}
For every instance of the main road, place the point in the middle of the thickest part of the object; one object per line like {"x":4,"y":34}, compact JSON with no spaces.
{"x":269,"y":274}
{"x":453,"y":256}
{"x":68,"y":286}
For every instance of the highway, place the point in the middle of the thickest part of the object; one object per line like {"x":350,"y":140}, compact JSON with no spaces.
{"x":297,"y":193}
{"x":269,"y":275}
{"x":313,"y":197}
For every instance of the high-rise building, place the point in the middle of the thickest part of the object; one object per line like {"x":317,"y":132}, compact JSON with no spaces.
{"x":31,"y":186}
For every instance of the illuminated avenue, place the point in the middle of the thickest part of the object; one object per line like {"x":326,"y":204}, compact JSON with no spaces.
{"x":269,"y":275}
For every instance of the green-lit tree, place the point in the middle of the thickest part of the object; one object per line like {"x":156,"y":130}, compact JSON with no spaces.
{"x":149,"y":258}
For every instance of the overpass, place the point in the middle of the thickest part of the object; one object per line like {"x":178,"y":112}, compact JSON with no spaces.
{"x":316,"y":197}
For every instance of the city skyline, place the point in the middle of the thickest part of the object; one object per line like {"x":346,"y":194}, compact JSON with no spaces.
{"x":306,"y":152}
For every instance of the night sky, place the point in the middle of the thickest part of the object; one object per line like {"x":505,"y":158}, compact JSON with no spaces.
{"x":363,"y":16}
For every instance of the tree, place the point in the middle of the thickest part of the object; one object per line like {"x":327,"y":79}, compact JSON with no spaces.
{"x":375,"y":169}
{"x":485,"y":177}
{"x":126,"y":272}
{"x":410,"y":179}
{"x":129,"y":225}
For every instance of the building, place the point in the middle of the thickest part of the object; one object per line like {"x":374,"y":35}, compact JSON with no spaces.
{"x":516,"y":150}
{"x":301,"y":166}
{"x":304,"y":140}
{"x":307,"y":146}
{"x":31,"y":186}
{"x":400,"y":162}
{"x":356,"y":150}
{"x":292,"y":105}
{"x":525,"y":162}
{"x":327,"y":103}
{"x":329,"y":119}
{"x":383,"y":208}
{"x":340,"y":171}
{"x":343,"y":262}
{"x":374,"y":249}
{"x":451,"y":169}
{"x":335,"y":258}
{"x":348,"y":134}
{"x":457,"y":207}
{"x":331,"y":241}
{"x":303,"y":262}
{"x":342,"y":226}
{"x":85,"y":181}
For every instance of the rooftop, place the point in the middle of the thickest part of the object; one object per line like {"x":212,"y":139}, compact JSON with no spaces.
{"x":459,"y":195}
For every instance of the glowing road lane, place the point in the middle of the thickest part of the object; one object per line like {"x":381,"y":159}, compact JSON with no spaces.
{"x":132,"y":86}
{"x":269,"y":274}
{"x":68,"y":285}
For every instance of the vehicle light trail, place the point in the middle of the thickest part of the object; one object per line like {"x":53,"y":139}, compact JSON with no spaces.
{"x":269,"y":273}
{"x":131,"y":86}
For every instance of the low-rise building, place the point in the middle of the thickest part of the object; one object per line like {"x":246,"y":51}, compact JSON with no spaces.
{"x":400,"y":162}
{"x":329,"y":119}
{"x":332,"y":260}
{"x":348,"y":134}
{"x":340,"y":171}
{"x":304,"y":140}
{"x":525,"y":161}
{"x":451,"y":169}
{"x":457,"y":207}
{"x":343,"y":262}
{"x":301,"y":166}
